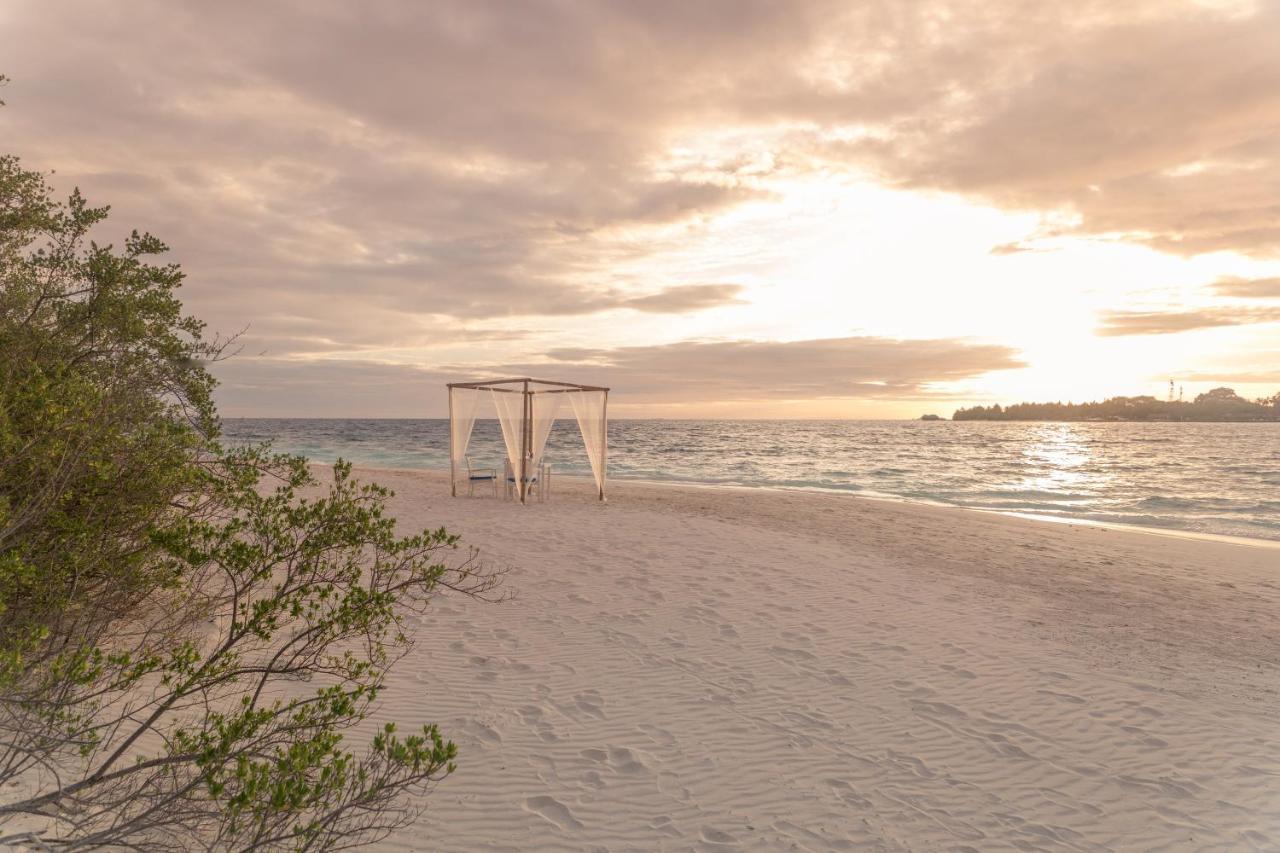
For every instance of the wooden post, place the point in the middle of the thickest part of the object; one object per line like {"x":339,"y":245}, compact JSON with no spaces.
{"x":453,"y":474}
{"x":604,"y":446}
{"x":523,"y":484}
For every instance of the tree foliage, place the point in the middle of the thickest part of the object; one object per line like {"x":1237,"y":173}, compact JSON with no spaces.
{"x":1220,"y":404}
{"x":189,"y":633}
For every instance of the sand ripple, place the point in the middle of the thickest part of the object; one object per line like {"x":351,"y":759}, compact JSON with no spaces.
{"x":669,"y":679}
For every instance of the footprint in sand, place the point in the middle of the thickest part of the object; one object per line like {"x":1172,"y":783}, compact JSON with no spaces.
{"x":811,"y":720}
{"x":1049,"y":673}
{"x":911,"y":688}
{"x":718,"y":838}
{"x":1005,"y":747}
{"x":938,"y":709}
{"x":554,"y":812}
{"x":532,"y":716}
{"x":659,"y":736}
{"x":670,"y":785}
{"x":627,"y":761}
{"x":910,"y":763}
{"x":662,"y":823}
{"x":1181,"y":790}
{"x":590,"y":703}
{"x":619,"y":759}
{"x":1064,"y":697}
{"x":846,"y":792}
{"x":787,"y":652}
{"x":485,"y":733}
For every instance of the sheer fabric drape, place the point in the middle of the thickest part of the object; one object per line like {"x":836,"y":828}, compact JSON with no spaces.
{"x":510,"y":406}
{"x":462,"y":418}
{"x":588,"y":408}
{"x":545,"y":409}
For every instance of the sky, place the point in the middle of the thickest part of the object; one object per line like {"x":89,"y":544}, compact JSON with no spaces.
{"x":718,"y":208}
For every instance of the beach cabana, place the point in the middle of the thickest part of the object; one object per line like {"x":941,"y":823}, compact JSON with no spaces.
{"x":526,"y":410}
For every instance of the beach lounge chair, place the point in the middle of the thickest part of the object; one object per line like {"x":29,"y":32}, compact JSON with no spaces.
{"x":481,"y":475}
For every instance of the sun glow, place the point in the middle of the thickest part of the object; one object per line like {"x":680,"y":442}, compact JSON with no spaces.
{"x":832,"y":254}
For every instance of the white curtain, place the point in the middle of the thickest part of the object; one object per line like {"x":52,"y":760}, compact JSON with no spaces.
{"x":545,"y":408}
{"x":588,"y":408}
{"x":462,"y":414}
{"x":510,"y":406}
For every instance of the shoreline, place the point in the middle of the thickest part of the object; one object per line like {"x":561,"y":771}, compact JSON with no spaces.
{"x":1241,"y":541}
{"x":1151,"y":530}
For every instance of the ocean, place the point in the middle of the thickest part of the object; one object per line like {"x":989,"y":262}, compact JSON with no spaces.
{"x":1204,"y":478}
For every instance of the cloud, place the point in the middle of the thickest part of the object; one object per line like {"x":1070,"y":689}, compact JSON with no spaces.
{"x":1250,"y":288}
{"x":349,"y":178}
{"x":1117,"y":323}
{"x":853,"y":367}
{"x":1234,"y":377}
{"x":470,"y":160}
{"x":1154,"y":123}
{"x":1018,"y":248}
{"x":475,"y":155}
{"x":697,"y":372}
{"x":690,"y":297}
{"x":252,"y":386}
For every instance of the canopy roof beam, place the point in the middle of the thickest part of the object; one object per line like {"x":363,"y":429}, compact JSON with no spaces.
{"x":525,"y":381}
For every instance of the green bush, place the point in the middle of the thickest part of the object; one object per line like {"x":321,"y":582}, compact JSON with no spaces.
{"x":186,"y":630}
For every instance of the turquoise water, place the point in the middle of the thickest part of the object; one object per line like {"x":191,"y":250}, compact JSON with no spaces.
{"x":1204,"y":478}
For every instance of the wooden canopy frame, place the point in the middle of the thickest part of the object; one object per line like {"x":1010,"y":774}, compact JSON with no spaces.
{"x":527,"y":386}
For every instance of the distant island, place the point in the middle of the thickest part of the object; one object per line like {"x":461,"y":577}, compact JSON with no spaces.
{"x":1220,"y":404}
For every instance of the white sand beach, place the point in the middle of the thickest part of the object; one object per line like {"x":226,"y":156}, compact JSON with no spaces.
{"x":688,"y":668}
